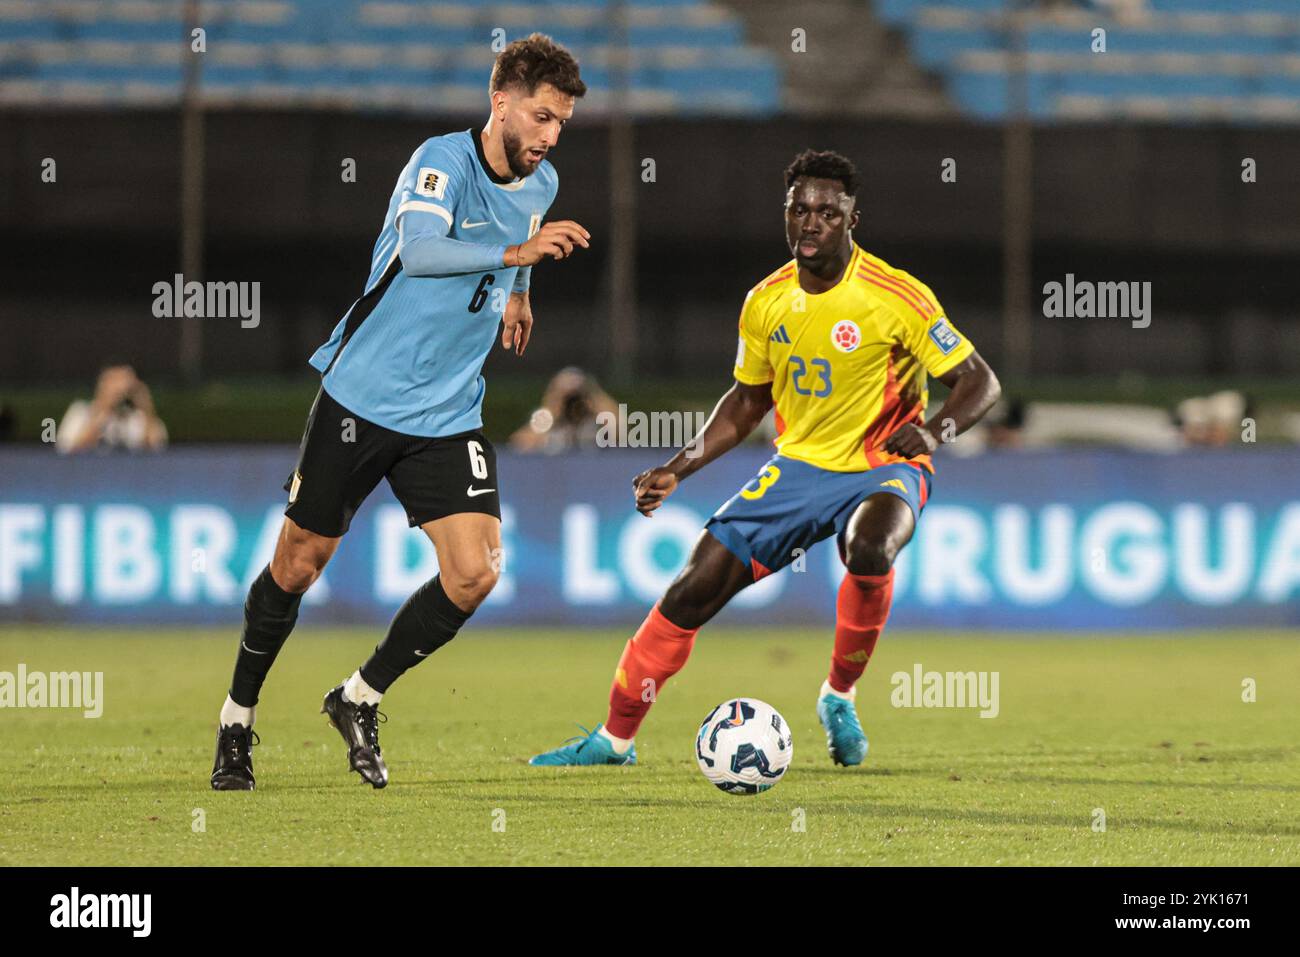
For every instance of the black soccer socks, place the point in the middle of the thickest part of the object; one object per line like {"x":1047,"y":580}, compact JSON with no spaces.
{"x":426,"y":622}
{"x":269,"y":615}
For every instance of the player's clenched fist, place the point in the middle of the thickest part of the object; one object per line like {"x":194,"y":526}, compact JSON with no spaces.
{"x":911,"y":440}
{"x":556,"y":240}
{"x":652,"y":486}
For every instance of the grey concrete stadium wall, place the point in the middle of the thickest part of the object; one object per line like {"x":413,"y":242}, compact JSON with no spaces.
{"x":1165,"y":204}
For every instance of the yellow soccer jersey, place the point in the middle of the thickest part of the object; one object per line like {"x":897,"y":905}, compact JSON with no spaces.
{"x":847,"y":366}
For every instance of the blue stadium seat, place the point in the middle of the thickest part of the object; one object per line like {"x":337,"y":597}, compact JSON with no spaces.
{"x":1121,"y":85}
{"x":720,"y":35}
{"x":378,"y":51}
{"x":1291,"y":7}
{"x":1062,"y":40}
{"x":448,"y":35}
{"x":231,"y":75}
{"x":108,"y":74}
{"x":934,"y":48}
{"x":987,"y":96}
{"x":1276,"y":85}
{"x":946,"y":35}
{"x":128,"y":32}
{"x":44,"y":28}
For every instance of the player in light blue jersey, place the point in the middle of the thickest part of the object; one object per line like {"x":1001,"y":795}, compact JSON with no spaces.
{"x":402,"y":394}
{"x":415,"y":342}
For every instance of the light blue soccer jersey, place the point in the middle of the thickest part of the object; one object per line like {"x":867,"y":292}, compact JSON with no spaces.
{"x":409,"y":353}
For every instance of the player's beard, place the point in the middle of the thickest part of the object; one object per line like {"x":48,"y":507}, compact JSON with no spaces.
{"x":514,"y":150}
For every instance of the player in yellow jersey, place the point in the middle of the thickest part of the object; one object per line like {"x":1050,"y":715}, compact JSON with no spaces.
{"x":842,"y":343}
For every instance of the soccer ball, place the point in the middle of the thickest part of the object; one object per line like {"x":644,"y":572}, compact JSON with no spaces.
{"x":744,"y":746}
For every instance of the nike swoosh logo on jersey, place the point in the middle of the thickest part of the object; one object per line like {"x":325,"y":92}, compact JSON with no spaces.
{"x":466,"y":224}
{"x":471,"y":491}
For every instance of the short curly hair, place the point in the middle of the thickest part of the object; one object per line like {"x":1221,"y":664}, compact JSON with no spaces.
{"x":824,"y":164}
{"x":534,"y":60}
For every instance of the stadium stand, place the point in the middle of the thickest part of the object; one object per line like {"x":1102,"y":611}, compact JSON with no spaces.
{"x":1177,"y":60}
{"x":684,"y":56}
{"x":837,"y":59}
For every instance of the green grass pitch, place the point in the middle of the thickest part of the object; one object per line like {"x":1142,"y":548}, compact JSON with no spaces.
{"x":1152,"y":730}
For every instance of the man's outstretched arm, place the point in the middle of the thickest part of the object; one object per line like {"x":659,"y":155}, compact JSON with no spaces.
{"x":735,"y":416}
{"x":426,"y":250}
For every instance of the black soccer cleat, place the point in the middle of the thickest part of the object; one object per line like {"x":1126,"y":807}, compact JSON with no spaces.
{"x":359,"y":725}
{"x":233,"y":768}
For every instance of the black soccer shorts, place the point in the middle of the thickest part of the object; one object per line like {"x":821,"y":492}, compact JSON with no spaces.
{"x":343,"y":457}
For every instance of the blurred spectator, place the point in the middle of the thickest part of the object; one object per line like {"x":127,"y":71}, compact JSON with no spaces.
{"x":1289,"y":424}
{"x":1003,"y":427}
{"x":567,"y":416}
{"x":1212,"y":420}
{"x":1140,"y":427}
{"x":1122,"y":9}
{"x":1016,"y":424}
{"x":1006,"y":424}
{"x":8,"y":423}
{"x":120,"y":416}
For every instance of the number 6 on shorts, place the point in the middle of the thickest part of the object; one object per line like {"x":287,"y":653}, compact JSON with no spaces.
{"x":477,"y":464}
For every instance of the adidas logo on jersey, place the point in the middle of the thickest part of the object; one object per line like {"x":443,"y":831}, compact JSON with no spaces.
{"x":780,"y":336}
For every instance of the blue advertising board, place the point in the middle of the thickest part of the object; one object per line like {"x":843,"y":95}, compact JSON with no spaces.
{"x":1057,"y":540}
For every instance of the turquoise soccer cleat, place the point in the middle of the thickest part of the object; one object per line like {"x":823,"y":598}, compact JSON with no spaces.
{"x":845,"y":739}
{"x":589,"y":748}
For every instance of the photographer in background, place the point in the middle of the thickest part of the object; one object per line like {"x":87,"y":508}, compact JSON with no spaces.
{"x":567,"y":417}
{"x":120,"y":416}
{"x":1212,"y":421}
